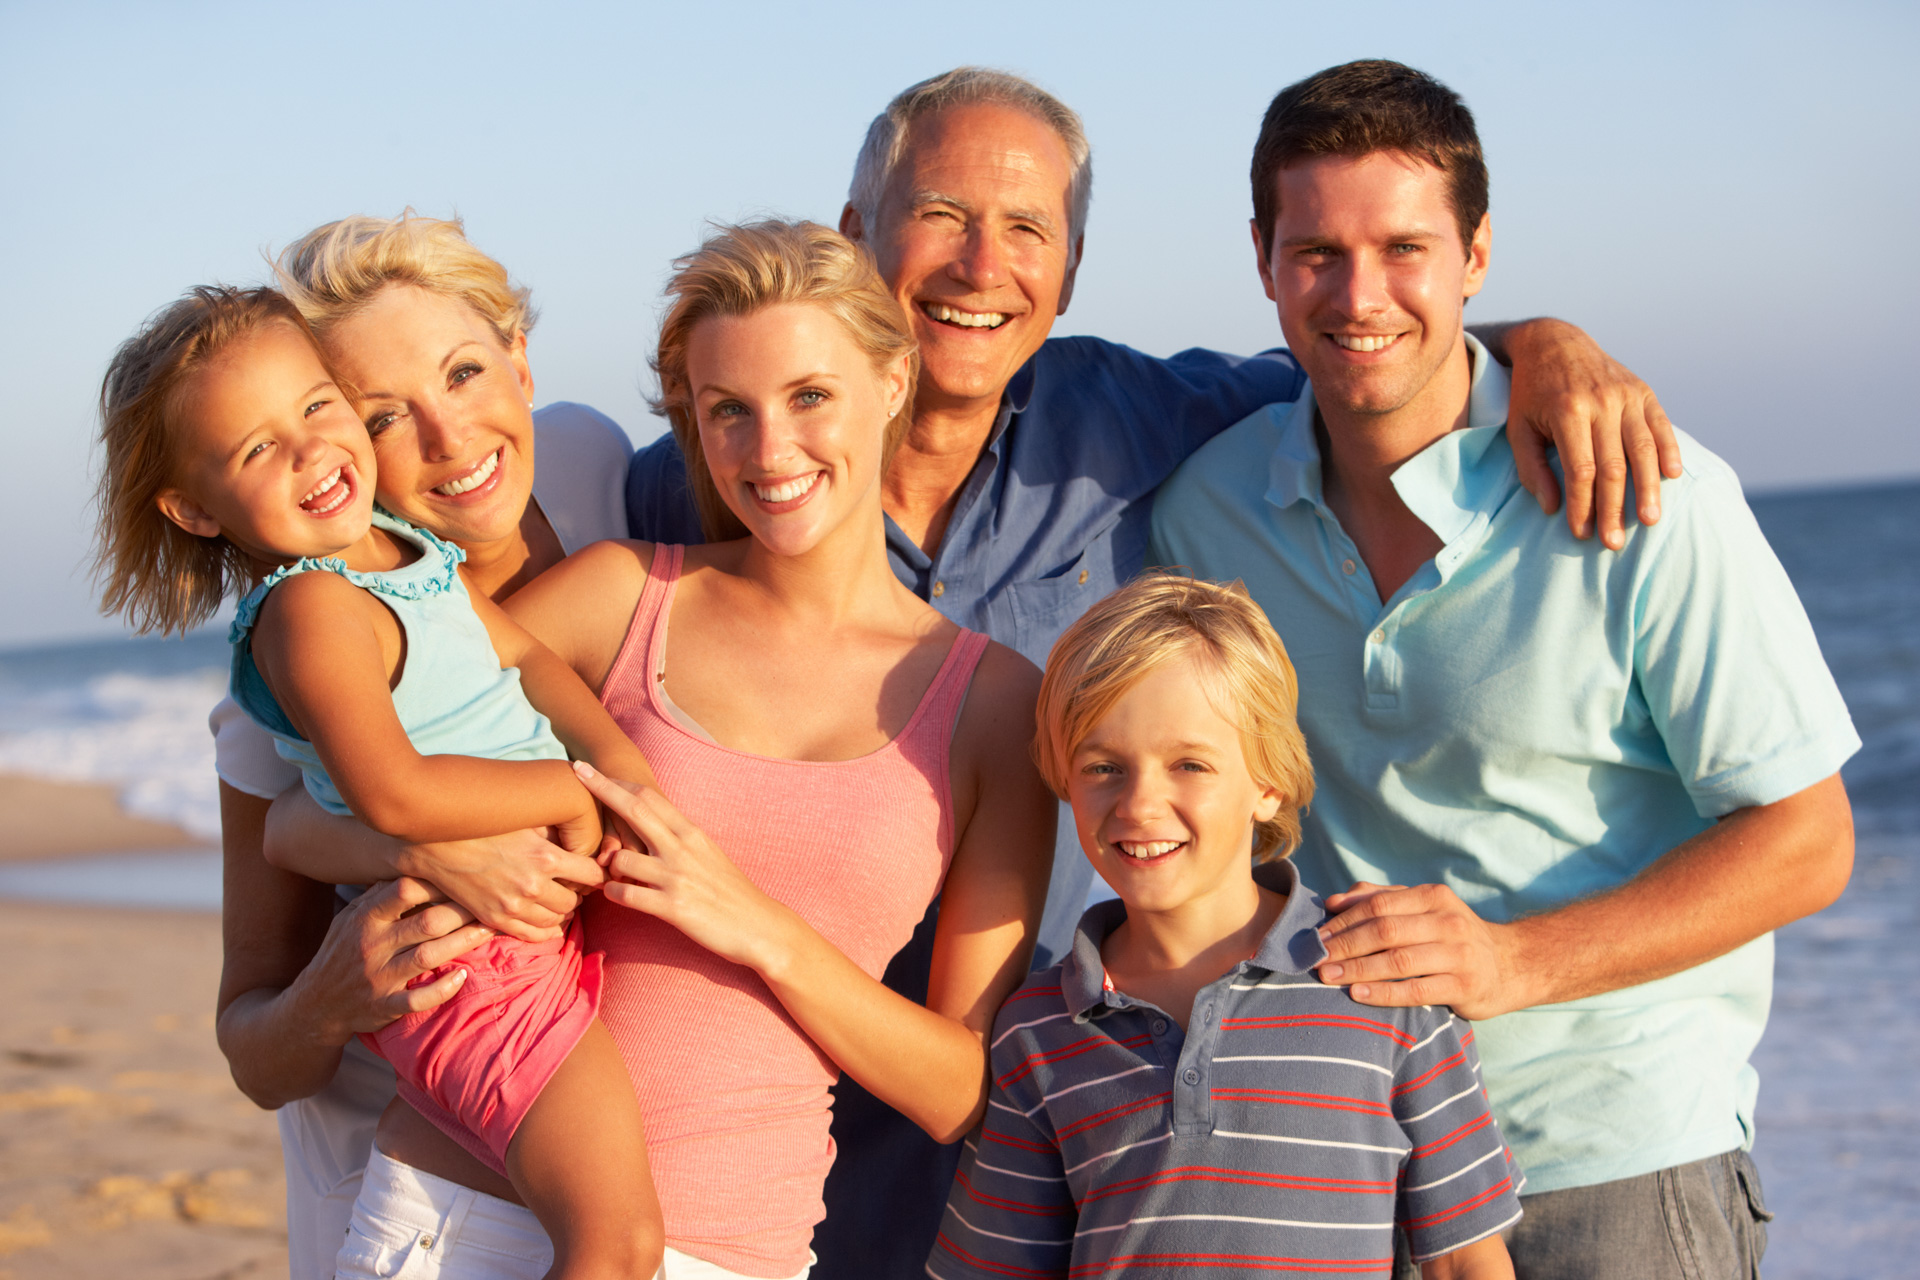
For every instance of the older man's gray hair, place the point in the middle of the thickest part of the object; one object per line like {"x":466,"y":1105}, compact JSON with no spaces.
{"x":966,"y":86}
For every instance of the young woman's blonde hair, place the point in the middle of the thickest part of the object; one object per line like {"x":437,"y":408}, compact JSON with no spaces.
{"x":1159,"y":618}
{"x":333,"y":270}
{"x":739,"y":270}
{"x":149,"y":568}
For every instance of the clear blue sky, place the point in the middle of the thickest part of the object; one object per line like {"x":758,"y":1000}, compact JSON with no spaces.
{"x":1727,"y":196}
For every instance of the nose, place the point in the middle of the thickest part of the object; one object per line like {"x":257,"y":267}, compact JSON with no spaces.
{"x":981,"y":263}
{"x":312,"y":449}
{"x":1358,"y":289}
{"x":441,"y":429}
{"x":1142,"y":798}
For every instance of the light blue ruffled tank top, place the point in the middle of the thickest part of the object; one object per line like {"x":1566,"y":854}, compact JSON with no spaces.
{"x":453,"y":697}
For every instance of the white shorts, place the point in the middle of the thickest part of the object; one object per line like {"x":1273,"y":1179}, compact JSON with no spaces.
{"x":324,"y":1141}
{"x":410,"y":1225}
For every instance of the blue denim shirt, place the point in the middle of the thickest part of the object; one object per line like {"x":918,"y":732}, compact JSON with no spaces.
{"x":1054,"y":515}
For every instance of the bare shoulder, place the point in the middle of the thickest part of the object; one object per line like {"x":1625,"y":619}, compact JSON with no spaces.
{"x":998,"y":715}
{"x":314,"y":598}
{"x":581,"y":608}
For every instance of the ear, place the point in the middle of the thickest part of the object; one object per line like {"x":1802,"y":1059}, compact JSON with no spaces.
{"x":1269,"y":805}
{"x":517,"y":353}
{"x":1260,"y":259}
{"x":1073,"y":269}
{"x":899,"y":381}
{"x":1479,"y":254}
{"x":188,"y":514}
{"x":852,"y":225}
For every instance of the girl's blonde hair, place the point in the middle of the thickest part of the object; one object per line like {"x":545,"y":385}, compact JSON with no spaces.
{"x":1156,"y":619}
{"x":739,"y":270}
{"x":334,"y":270}
{"x":150,"y":569}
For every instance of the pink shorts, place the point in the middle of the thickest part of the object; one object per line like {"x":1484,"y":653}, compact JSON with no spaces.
{"x":474,"y":1065}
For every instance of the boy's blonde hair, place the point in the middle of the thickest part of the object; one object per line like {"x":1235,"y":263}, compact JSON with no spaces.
{"x":739,"y":270}
{"x":333,"y":270}
{"x":1159,"y":618}
{"x":149,"y":568}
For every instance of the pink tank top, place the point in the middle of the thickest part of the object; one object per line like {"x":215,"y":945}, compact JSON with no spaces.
{"x":734,"y":1094}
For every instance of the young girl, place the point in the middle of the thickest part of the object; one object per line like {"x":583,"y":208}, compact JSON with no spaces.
{"x":232,"y":457}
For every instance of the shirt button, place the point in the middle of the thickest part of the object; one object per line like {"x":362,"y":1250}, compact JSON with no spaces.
{"x":939,"y":588}
{"x":1190,"y":1076}
{"x":1378,"y":637}
{"x":1159,"y":1026}
{"x":1083,"y":577}
{"x":1347,"y":567}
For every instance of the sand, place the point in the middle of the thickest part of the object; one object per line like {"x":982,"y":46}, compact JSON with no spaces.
{"x":42,"y":819}
{"x":125,"y":1149}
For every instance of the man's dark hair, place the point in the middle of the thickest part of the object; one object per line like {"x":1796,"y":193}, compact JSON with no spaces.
{"x":1364,"y":107}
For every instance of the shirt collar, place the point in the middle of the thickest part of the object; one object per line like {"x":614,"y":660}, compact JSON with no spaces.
{"x":1447,"y":484}
{"x":1291,"y":945}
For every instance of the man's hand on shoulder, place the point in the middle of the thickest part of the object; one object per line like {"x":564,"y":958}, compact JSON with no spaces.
{"x":1606,"y":423}
{"x":1396,"y":946}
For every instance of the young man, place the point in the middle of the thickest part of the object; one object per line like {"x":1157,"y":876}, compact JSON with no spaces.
{"x":1182,"y":1094}
{"x":1611,"y":773}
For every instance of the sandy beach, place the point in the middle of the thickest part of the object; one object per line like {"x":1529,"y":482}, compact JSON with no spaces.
{"x":125,"y":1149}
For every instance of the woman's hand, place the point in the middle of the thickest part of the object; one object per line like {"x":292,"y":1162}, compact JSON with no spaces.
{"x":388,"y":937}
{"x":520,"y":884}
{"x":685,"y":879}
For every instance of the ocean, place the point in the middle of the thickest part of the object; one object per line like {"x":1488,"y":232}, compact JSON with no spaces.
{"x":1839,"y":1128}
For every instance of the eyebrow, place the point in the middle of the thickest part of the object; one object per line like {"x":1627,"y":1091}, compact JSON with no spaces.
{"x":921,"y":199}
{"x":802,"y":381}
{"x":1396,"y":237}
{"x":445,"y":360}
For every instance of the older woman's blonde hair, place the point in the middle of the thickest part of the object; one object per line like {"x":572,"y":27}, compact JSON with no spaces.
{"x":1159,"y":618}
{"x":158,"y":575}
{"x":335,"y":269}
{"x":739,"y":270}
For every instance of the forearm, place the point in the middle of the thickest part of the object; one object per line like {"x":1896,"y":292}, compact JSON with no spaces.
{"x":447,"y":797}
{"x":1758,"y":869}
{"x":1508,"y":340}
{"x":929,"y":1067}
{"x":579,"y":720}
{"x":274,"y":1048}
{"x":1482,"y":1260}
{"x":305,"y":839}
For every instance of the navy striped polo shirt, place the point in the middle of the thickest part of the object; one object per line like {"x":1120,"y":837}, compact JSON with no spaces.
{"x":1287,"y":1130}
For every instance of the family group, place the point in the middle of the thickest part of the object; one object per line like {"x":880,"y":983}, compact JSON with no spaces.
{"x":678,"y":863}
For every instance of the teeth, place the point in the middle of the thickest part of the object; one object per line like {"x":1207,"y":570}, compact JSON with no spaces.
{"x":332,"y":482}
{"x":1365,"y":342}
{"x":1144,"y":849}
{"x":965,"y":319}
{"x":786,"y":490}
{"x":479,"y":476}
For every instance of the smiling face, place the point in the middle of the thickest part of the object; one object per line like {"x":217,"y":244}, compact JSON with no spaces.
{"x":792,"y":419}
{"x":973,"y":238}
{"x":1370,"y":278}
{"x":449,"y":408}
{"x":1162,"y":797}
{"x":270,"y":454}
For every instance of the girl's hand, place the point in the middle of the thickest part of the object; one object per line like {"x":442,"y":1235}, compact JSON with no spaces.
{"x":386,"y":938}
{"x":520,"y":884}
{"x":685,"y":879}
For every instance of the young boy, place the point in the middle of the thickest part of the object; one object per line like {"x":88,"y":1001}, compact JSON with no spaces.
{"x":1181,"y":1093}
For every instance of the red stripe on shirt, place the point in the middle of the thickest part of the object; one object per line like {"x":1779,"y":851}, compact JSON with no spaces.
{"x":1099,"y":1118}
{"x":1465,"y":1206}
{"x":1243,"y":1177}
{"x":1319,"y":1101}
{"x":1072,"y":1050}
{"x":1471,"y":1127}
{"x":1237,"y":1261}
{"x":1441,"y":1068}
{"x":1391,"y":1032}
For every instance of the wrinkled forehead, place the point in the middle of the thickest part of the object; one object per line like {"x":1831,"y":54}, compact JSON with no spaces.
{"x":985,"y":152}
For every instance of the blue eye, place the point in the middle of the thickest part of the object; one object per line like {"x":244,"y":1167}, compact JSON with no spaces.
{"x":462,"y":373}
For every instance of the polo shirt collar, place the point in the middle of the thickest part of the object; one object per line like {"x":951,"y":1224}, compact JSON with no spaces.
{"x":1448,"y":484}
{"x":1291,"y":945}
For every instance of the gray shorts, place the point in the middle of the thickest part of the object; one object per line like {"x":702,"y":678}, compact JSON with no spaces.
{"x":1699,"y":1221}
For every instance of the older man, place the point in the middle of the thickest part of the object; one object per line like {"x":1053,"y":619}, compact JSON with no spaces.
{"x":1617,"y":770}
{"x":1023,"y":491}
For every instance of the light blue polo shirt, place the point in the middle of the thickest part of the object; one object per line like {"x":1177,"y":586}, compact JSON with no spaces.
{"x":1529,"y":720}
